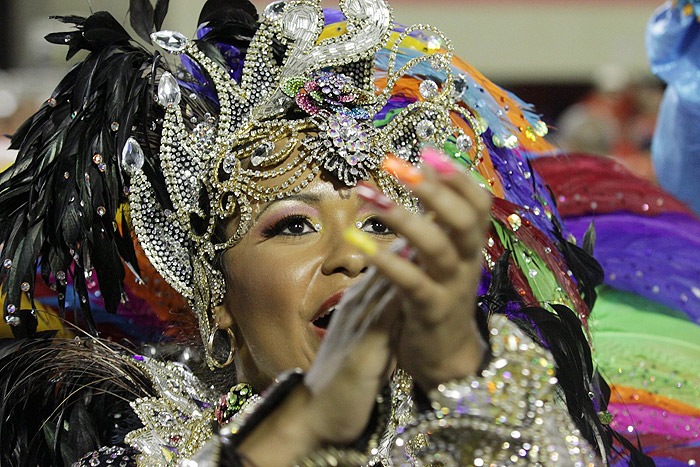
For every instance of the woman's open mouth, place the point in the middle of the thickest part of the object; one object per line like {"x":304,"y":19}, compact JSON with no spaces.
{"x":323,"y":321}
{"x":322,"y":318}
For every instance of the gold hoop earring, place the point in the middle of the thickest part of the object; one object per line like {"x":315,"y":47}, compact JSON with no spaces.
{"x":231,"y":352}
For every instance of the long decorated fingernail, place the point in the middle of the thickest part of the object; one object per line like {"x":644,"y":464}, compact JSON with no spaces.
{"x":404,"y":171}
{"x":437,"y":161}
{"x":361,"y":241}
{"x":368,"y":193}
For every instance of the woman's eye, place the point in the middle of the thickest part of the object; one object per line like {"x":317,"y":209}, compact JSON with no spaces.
{"x":375,"y":226}
{"x":293,"y":226}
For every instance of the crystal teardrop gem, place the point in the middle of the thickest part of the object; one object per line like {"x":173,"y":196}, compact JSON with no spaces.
{"x":132,"y":156}
{"x":168,"y":90}
{"x":172,"y":41}
{"x":274,"y":10}
{"x":261,"y":153}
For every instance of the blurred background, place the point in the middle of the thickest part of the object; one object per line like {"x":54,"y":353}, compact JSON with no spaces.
{"x":582,"y":63}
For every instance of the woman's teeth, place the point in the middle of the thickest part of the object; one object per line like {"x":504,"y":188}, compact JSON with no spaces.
{"x":324,"y":320}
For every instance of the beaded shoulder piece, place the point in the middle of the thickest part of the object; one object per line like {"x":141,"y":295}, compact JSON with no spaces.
{"x":178,"y":421}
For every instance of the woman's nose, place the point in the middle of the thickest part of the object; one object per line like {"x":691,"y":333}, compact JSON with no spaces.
{"x":343,"y":258}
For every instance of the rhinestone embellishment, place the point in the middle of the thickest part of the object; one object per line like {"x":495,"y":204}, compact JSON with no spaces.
{"x":132,"y":156}
{"x":274,"y":10}
{"x":168,"y":90}
{"x":464,"y":143}
{"x":425,"y":129}
{"x":172,"y":41}
{"x":428,"y":89}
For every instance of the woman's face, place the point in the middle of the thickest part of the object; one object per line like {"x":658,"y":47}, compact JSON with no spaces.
{"x":288,"y":272}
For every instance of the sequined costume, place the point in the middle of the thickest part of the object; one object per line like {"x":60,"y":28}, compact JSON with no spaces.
{"x":135,"y":146}
{"x":507,"y":415}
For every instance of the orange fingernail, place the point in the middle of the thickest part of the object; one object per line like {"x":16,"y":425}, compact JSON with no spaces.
{"x":404,"y":171}
{"x":361,"y":241}
{"x":437,"y":161}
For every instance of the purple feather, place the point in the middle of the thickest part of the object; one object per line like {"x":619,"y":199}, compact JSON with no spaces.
{"x":655,"y":257}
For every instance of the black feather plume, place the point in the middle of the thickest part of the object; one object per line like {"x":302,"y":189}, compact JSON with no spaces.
{"x":60,"y":399}
{"x":160,"y":13}
{"x":227,"y":11}
{"x":62,"y":196}
{"x":586,"y":269}
{"x":141,"y":15}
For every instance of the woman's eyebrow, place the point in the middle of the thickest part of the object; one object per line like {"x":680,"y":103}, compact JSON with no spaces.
{"x":309,"y":198}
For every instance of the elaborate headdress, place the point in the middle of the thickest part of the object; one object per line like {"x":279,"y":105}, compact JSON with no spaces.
{"x":257,"y":111}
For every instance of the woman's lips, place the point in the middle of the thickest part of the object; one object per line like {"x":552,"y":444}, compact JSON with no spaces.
{"x":320,"y":332}
{"x":326,"y":308}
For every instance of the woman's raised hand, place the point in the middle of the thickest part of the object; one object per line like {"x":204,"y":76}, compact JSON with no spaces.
{"x":439,"y":340}
{"x":434,"y":337}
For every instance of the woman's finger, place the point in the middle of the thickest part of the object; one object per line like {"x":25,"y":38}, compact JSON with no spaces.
{"x":406,"y":275}
{"x":463,"y":222}
{"x":435,"y":248}
{"x":468,"y":188}
{"x":437,"y":166}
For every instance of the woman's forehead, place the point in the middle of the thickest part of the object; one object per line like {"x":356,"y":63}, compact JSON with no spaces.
{"x":320,"y":190}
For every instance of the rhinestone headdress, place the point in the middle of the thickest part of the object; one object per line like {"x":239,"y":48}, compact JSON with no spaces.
{"x":302,"y":93}
{"x":253,"y":152}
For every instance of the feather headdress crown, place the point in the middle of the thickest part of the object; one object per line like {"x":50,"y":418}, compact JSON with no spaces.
{"x":254,"y":152}
{"x":302,"y":101}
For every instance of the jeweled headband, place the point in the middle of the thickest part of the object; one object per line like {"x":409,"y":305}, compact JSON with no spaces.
{"x":257,"y":113}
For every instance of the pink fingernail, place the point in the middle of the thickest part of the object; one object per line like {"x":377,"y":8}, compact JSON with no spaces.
{"x":437,"y":161}
{"x":370,"y":194}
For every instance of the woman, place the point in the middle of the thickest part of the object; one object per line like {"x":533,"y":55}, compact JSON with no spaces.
{"x":262,"y":187}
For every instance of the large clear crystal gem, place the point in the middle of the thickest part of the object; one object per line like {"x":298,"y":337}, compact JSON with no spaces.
{"x":425,"y":129}
{"x":435,"y":42}
{"x":132,"y":156}
{"x":464,"y":143}
{"x":274,"y":10}
{"x":203,"y":136}
{"x":172,"y":41}
{"x":428,"y":89}
{"x":349,"y":132}
{"x":229,"y":164}
{"x":168,"y":90}
{"x":261,"y":153}
{"x":460,"y":85}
